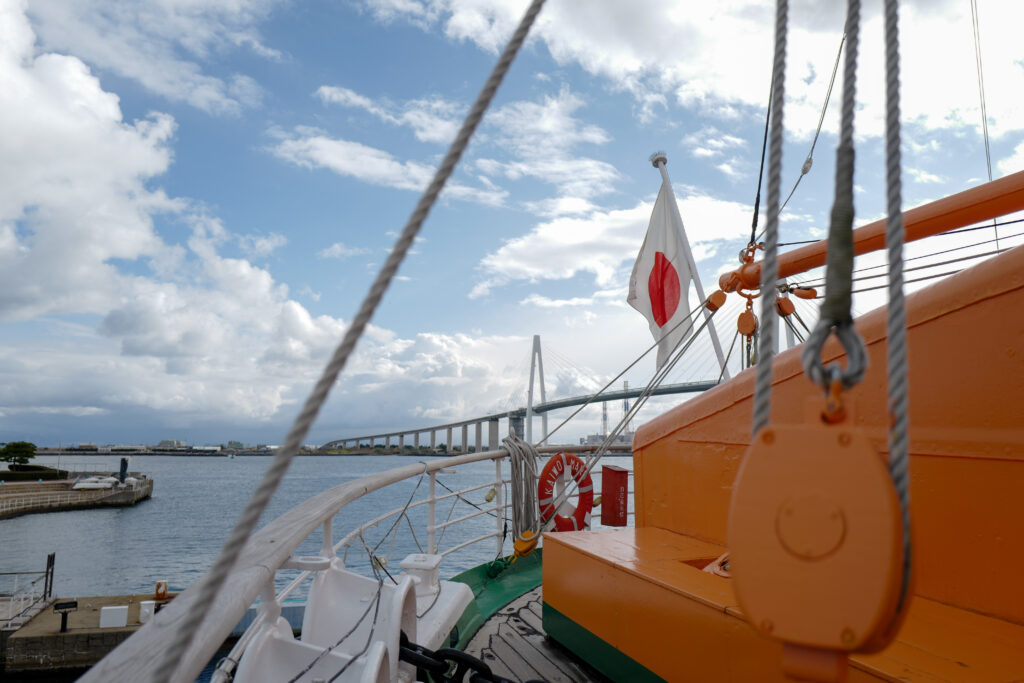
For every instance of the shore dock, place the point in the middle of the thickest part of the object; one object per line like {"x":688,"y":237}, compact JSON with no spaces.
{"x":38,"y":646}
{"x":23,"y":498}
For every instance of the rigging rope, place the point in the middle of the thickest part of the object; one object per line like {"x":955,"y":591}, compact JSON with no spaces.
{"x":770,"y":265}
{"x":981,"y":96}
{"x":896,"y":326}
{"x":656,"y":380}
{"x":211,"y":585}
{"x":809,"y":161}
{"x":836,"y":311}
{"x":760,"y":175}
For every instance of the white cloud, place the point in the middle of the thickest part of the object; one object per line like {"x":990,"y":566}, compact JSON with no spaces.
{"x":161,"y":45}
{"x":432,"y":119}
{"x":689,"y":51}
{"x":542,"y":137}
{"x":600,"y":242}
{"x":339,"y":250}
{"x":313,"y":148}
{"x":261,"y":245}
{"x":1012,"y":163}
{"x":545,"y":302}
{"x":919,"y":175}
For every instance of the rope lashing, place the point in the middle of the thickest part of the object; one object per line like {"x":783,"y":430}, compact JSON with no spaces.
{"x":211,"y":585}
{"x":837,"y":310}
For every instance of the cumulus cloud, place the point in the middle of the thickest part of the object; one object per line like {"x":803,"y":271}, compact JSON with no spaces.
{"x":432,"y":119}
{"x":339,"y":250}
{"x":541,"y":137}
{"x":261,"y":245}
{"x":161,"y":45}
{"x":314,"y":148}
{"x":600,"y":242}
{"x":688,"y":53}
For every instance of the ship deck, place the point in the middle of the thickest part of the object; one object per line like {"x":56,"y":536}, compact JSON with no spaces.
{"x":513,"y":644}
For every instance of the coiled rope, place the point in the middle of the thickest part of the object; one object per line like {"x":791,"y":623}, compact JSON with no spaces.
{"x":523,"y":479}
{"x":211,"y":585}
{"x":770,"y":265}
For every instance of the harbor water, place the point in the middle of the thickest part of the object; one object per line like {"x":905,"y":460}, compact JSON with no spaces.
{"x":177,"y":534}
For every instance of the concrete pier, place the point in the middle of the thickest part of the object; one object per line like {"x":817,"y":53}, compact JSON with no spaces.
{"x":24,"y":498}
{"x":40,"y":648}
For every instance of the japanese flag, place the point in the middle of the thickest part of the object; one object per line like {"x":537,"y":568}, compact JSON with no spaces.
{"x":660,"y":285}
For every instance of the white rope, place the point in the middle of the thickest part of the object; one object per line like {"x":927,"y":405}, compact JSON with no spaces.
{"x":523,"y":464}
{"x":770,"y":264}
{"x":211,"y":584}
{"x":896,"y":323}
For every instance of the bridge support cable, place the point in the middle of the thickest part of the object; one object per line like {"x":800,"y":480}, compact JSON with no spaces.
{"x":176,"y":652}
{"x":685,"y":321}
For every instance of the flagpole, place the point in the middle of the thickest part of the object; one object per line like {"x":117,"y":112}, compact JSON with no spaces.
{"x":659,"y":160}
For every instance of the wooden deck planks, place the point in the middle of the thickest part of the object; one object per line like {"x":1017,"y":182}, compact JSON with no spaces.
{"x":514,"y":645}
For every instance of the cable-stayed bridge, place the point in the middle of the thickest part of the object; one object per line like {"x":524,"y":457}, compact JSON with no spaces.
{"x":484,"y":432}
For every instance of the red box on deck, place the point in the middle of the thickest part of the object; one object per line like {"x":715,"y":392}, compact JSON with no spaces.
{"x":614,"y":495}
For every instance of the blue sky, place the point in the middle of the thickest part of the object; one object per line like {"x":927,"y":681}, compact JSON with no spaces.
{"x":197,"y":194}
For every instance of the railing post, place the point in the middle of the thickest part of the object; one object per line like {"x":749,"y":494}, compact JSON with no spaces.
{"x":499,"y":505}
{"x":327,"y":543}
{"x":431,"y":512}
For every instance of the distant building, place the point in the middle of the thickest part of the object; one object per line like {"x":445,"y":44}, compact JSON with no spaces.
{"x":171,"y":443}
{"x":623,"y":439}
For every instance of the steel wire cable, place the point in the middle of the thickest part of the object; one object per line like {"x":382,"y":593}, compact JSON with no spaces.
{"x":210,"y":587}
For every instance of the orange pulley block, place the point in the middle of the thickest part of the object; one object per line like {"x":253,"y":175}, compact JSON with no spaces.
{"x":716,"y":300}
{"x":805,"y":292}
{"x":815,"y":542}
{"x":784,"y":305}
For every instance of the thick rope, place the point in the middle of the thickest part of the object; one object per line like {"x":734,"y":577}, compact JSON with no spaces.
{"x":523,"y":478}
{"x":770,"y":265}
{"x":837,"y":309}
{"x":839,"y":266}
{"x":896,"y":324}
{"x":211,"y":585}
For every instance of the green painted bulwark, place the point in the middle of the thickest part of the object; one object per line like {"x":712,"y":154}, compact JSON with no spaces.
{"x":594,"y":651}
{"x":493,"y":593}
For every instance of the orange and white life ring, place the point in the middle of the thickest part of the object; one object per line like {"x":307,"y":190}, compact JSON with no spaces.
{"x":553,"y":470}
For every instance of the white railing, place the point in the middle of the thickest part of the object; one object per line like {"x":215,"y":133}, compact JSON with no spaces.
{"x":39,"y":500}
{"x":271,"y":549}
{"x":23,"y":597}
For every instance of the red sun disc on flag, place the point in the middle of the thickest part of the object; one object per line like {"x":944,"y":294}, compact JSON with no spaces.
{"x":663,"y":286}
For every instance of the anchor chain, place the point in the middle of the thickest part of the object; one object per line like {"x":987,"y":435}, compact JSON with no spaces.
{"x":447,"y":665}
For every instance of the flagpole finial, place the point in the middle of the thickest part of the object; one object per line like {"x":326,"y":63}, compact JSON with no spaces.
{"x":657,"y":157}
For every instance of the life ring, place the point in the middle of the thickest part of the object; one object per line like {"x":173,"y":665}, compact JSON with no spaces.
{"x":580,"y":518}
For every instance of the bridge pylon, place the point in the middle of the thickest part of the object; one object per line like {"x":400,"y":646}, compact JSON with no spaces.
{"x":536,"y":368}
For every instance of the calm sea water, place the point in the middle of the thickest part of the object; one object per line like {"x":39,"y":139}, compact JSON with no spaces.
{"x":177,"y":534}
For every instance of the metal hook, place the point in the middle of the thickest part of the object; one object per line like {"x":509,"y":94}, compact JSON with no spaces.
{"x":856,"y":353}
